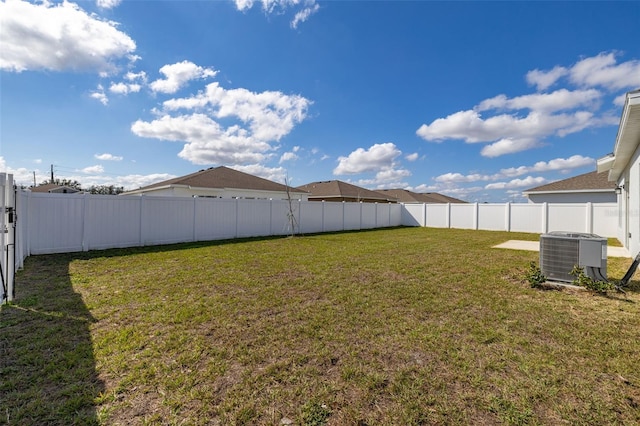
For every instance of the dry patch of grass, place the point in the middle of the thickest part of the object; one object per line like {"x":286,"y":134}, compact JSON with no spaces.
{"x":400,"y":326}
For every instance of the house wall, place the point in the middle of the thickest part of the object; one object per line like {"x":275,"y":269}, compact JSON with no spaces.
{"x":629,"y":219}
{"x":576,"y":197}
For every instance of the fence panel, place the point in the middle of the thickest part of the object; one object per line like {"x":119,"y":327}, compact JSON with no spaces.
{"x":254,"y":218}
{"x":311,"y":217}
{"x":526,"y":218}
{"x":111,"y":222}
{"x":605,"y":219}
{"x":567,"y":217}
{"x":352,"y":216}
{"x":333,"y":217}
{"x":437,"y":215}
{"x":463,"y":216}
{"x":215,"y":219}
{"x":413,"y":214}
{"x":492,"y":217}
{"x":280,"y":222}
{"x":368,"y":217}
{"x":167,"y":221}
{"x":56,"y":223}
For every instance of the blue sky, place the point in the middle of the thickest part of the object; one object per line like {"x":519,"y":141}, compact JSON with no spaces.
{"x":477,"y":100}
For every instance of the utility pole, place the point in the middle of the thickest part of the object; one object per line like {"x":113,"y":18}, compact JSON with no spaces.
{"x":34,"y":178}
{"x":51,"y":174}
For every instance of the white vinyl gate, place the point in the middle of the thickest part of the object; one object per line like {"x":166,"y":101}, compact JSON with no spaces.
{"x":8,"y":219}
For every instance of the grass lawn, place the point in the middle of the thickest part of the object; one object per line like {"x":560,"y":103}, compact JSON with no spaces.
{"x":402,"y":326}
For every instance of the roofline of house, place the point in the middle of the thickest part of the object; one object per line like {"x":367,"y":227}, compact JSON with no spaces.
{"x":624,"y":146}
{"x":568,"y":191}
{"x":207,"y":189}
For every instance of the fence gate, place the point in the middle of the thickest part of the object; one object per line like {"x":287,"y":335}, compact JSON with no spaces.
{"x":7,"y":236}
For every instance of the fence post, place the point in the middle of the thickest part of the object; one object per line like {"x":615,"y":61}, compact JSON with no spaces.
{"x":322,"y":227}
{"x":545,"y":217}
{"x":85,"y":219}
{"x":507,"y":217}
{"x":141,"y":220}
{"x":270,"y":216}
{"x":476,"y":211}
{"x":448,"y":218}
{"x":194,"y":236}
{"x":589,"y":214}
{"x":237,"y":211}
{"x":424,"y":214}
{"x":343,"y":216}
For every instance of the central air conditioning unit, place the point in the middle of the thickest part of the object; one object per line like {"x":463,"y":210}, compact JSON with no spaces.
{"x":561,"y":251}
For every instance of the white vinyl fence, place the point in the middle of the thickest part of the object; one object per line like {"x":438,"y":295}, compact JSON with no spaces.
{"x":8,"y":261}
{"x":592,"y":218}
{"x":57,"y":223}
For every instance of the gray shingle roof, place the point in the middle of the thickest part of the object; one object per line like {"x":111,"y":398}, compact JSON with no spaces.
{"x":589,"y":181}
{"x":406,"y":196}
{"x":223,"y":177}
{"x":339,"y":190}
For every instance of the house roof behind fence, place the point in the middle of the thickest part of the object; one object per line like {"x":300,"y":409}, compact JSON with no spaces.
{"x":406,"y":196}
{"x":336,"y":189}
{"x":592,"y":181}
{"x":220,"y":178}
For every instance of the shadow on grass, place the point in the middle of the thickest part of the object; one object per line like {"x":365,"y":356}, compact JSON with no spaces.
{"x":47,"y":364}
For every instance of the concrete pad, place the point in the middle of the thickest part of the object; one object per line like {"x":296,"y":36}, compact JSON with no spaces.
{"x":535,"y":246}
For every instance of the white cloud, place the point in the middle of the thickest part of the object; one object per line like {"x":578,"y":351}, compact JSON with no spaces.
{"x":524,"y":122}
{"x":178,"y":75}
{"x":124,"y":88}
{"x":527,"y":182}
{"x":21,"y":175}
{"x":275,"y":174}
{"x":545,"y":79}
{"x":308,"y":8}
{"x":93,"y":170}
{"x":288,"y":156}
{"x":509,"y":146}
{"x":508,"y":133}
{"x":260,"y":119}
{"x":555,"y":165}
{"x":108,"y":157}
{"x":459,"y":178}
{"x":108,"y":4}
{"x":378,"y":156}
{"x":133,"y":83}
{"x":562,"y":99}
{"x":304,"y":14}
{"x":59,"y":37}
{"x":99,"y":95}
{"x":412,"y":157}
{"x":603,"y":70}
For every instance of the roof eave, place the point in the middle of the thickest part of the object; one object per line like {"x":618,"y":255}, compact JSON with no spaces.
{"x":628,"y":136}
{"x":569,"y":191}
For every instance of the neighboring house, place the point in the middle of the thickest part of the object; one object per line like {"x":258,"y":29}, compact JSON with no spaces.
{"x":336,"y":190}
{"x":406,"y":196}
{"x":54,"y":189}
{"x":623,"y":168}
{"x":592,"y":187}
{"x":221,"y":182}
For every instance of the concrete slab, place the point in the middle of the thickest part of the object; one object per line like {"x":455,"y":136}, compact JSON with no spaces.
{"x":535,"y":246}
